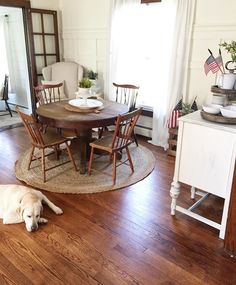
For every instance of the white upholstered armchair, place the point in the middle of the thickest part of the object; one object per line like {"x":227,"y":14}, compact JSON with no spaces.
{"x":67,"y":72}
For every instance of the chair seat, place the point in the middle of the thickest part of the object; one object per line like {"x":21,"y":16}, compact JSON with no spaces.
{"x":104,"y":143}
{"x":52,"y":137}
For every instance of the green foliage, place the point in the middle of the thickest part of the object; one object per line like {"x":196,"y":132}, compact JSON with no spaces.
{"x":91,"y":74}
{"x":85,"y":83}
{"x":186,"y":108}
{"x":230,"y":48}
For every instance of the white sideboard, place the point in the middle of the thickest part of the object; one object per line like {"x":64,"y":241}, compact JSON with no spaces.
{"x":205,"y":160}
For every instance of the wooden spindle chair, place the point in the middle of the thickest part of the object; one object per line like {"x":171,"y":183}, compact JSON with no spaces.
{"x":51,"y":139}
{"x":48,"y":93}
{"x":5,"y":95}
{"x":116,"y":142}
{"x":125,"y":94}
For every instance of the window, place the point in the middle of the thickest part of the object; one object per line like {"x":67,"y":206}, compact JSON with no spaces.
{"x":45,"y":40}
{"x":141,"y":43}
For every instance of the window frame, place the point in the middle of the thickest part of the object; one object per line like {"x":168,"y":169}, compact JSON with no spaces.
{"x":149,"y":1}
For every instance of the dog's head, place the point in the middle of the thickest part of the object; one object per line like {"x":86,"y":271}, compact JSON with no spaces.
{"x":30,"y":210}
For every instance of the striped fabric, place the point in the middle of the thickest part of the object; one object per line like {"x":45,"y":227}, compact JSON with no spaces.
{"x":172,"y":121}
{"x":176,"y":113}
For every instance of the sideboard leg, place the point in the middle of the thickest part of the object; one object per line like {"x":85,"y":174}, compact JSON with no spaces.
{"x":174,"y":193}
{"x":193,"y":190}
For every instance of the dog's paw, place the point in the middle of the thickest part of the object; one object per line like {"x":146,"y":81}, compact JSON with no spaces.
{"x":58,"y":211}
{"x":43,"y":221}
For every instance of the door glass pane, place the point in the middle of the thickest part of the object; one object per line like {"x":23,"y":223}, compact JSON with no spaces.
{"x":39,"y":64}
{"x":50,"y":44}
{"x":51,"y":59}
{"x":38,"y":44}
{"x":36,"y":22}
{"x":48,"y":23}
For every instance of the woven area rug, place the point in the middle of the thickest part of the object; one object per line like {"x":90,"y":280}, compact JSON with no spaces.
{"x":64,"y":179}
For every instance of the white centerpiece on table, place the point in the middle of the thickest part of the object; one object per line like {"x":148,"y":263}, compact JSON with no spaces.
{"x":84,"y":89}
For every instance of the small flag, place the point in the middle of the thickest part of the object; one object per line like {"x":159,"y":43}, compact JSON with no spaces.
{"x":179,"y":105}
{"x":175,"y":114}
{"x":194,"y":106}
{"x":213,"y":64}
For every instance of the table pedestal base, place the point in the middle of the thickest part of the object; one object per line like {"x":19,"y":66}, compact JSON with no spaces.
{"x":81,"y":143}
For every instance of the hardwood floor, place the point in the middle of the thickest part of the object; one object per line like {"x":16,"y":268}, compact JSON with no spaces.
{"x":121,"y":237}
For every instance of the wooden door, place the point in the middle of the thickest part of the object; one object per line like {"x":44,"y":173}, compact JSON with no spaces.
{"x":45,"y":42}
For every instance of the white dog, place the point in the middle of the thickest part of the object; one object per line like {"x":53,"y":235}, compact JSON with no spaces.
{"x":22,"y":204}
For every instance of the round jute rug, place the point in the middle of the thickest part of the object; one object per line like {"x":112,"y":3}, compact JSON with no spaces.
{"x":64,"y":179}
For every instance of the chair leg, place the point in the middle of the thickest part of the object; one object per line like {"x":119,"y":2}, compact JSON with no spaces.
{"x":31,"y":156}
{"x":135,"y":138}
{"x":129,"y":158}
{"x":90,"y":160}
{"x":114,"y":168}
{"x":8,"y":108}
{"x":71,"y":156}
{"x":101,"y":131}
{"x":57,"y":152}
{"x":43,"y":164}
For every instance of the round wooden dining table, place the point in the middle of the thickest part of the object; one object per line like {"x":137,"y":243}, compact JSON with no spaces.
{"x":57,"y":115}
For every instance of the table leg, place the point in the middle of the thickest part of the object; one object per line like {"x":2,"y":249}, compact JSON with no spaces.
{"x":84,"y":137}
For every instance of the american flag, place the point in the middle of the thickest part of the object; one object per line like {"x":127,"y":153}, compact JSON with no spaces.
{"x":194,"y":106}
{"x":213,"y":64}
{"x":175,"y":114}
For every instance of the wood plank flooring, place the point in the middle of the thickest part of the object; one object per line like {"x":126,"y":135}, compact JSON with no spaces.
{"x":121,"y":237}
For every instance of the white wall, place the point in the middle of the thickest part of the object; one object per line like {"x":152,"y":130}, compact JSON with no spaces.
{"x":85,"y":34}
{"x":45,"y":4}
{"x":215,"y":22}
{"x":85,"y":30}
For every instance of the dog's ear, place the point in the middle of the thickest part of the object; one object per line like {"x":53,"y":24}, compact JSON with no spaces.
{"x":20,"y":211}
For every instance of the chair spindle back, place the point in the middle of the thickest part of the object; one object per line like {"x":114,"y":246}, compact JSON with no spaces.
{"x":124,"y":129}
{"x":48,"y":93}
{"x":127,"y":94}
{"x":32,"y":128}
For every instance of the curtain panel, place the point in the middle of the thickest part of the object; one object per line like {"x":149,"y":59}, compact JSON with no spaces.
{"x":168,"y":44}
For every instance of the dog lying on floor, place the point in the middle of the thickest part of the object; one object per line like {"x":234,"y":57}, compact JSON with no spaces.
{"x":19,"y":204}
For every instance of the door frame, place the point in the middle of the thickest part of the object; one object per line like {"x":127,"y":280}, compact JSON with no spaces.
{"x":25,"y":6}
{"x":44,"y":53}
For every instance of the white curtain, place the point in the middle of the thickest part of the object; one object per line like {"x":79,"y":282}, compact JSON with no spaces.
{"x":178,"y":75}
{"x":153,"y":55}
{"x":140,"y":47}
{"x":4,"y":69}
{"x":123,"y":38}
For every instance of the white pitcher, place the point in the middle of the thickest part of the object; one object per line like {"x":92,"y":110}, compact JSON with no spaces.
{"x":227,"y":80}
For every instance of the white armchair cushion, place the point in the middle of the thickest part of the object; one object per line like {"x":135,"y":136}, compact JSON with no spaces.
{"x":61,"y":89}
{"x":69,"y":72}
